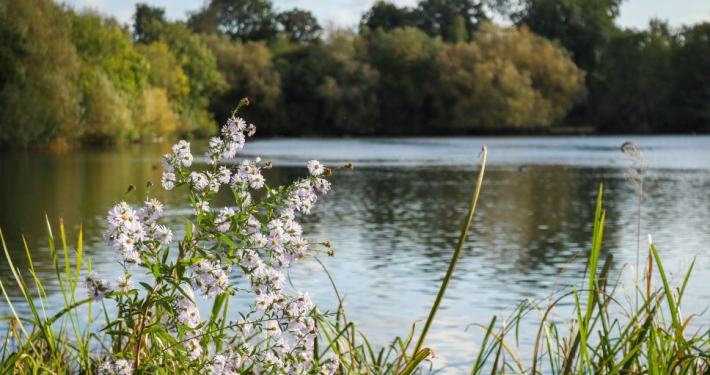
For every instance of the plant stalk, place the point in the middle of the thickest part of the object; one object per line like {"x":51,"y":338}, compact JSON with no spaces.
{"x":456,"y":256}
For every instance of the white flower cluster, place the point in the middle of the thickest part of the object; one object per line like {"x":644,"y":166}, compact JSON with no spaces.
{"x":118,"y":367}
{"x":210,"y":279}
{"x":229,"y":362}
{"x":130,"y":232}
{"x":98,"y":288}
{"x":259,"y":239}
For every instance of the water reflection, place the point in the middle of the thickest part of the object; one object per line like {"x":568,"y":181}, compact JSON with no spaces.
{"x":395,"y":219}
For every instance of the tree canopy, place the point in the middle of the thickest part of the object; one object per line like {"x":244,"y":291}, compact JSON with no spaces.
{"x":434,"y":68}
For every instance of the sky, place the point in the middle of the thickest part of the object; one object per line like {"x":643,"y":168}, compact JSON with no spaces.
{"x":347,"y":13}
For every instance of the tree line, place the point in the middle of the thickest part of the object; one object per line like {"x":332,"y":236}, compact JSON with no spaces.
{"x":438,"y":68}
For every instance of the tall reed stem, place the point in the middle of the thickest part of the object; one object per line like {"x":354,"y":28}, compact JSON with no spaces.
{"x":457,"y":255}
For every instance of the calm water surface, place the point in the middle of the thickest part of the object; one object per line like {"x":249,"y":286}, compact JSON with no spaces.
{"x":395,"y":219}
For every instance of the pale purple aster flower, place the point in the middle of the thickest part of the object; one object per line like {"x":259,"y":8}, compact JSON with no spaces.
{"x":275,"y":244}
{"x":168,"y":180}
{"x":97,"y":288}
{"x":223,"y":220}
{"x":238,"y":123}
{"x":91,"y":278}
{"x":230,"y":150}
{"x":152,"y":209}
{"x":123,"y":367}
{"x":213,"y":182}
{"x":223,"y":175}
{"x":124,"y":283}
{"x":322,"y":185}
{"x":251,"y":130}
{"x":216,"y":143}
{"x":106,"y":368}
{"x":244,"y":326}
{"x":332,"y":367}
{"x":273,"y":328}
{"x":258,"y":240}
{"x":201,"y":206}
{"x":276,"y":279}
{"x":315,"y":167}
{"x":253,"y":225}
{"x":199,"y":180}
{"x":189,"y":314}
{"x":186,"y":159}
{"x":292,"y":228}
{"x":163,"y":234}
{"x":250,"y":260}
{"x":122,"y":214}
{"x":167,"y":161}
{"x":195,"y":348}
{"x":229,"y":129}
{"x":124,"y":243}
{"x":131,"y":259}
{"x":287,"y":215}
{"x":181,"y":147}
{"x":257,"y":181}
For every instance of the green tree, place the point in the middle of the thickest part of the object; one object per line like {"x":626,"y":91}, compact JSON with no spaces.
{"x":386,"y":15}
{"x":39,"y":101}
{"x":301,"y":26}
{"x":165,"y":71}
{"x":204,"y":81}
{"x":143,"y":20}
{"x":249,"y":72}
{"x":113,"y":75}
{"x":444,"y":18}
{"x":691,"y":98}
{"x":301,"y":69}
{"x":634,"y":94}
{"x":13,"y":49}
{"x":348,"y":90}
{"x":505,"y":78}
{"x":405,"y":59}
{"x":103,"y":45}
{"x":240,"y":19}
{"x":583,"y":27}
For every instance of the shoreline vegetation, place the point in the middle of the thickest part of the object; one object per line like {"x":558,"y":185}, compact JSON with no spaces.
{"x":74,"y":77}
{"x":147,"y":321}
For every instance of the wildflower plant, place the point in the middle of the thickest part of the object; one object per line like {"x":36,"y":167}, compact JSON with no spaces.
{"x":244,"y":248}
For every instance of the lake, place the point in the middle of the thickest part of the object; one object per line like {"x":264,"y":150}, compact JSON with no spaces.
{"x":395,"y":219}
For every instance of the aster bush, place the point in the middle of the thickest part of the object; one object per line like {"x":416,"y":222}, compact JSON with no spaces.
{"x":163,"y":322}
{"x":243,"y":248}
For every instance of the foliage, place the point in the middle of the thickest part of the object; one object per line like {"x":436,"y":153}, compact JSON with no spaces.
{"x":692,"y":93}
{"x":240,"y":19}
{"x":247,"y":68}
{"x":203,"y":79}
{"x":301,"y":26}
{"x":509,"y":77}
{"x":143,"y":21}
{"x":112,"y":76}
{"x":452,"y":20}
{"x":637,"y":84}
{"x":387,"y":80}
{"x":405,"y":59}
{"x":165,"y":71}
{"x":388,"y":16}
{"x":44,"y":77}
{"x":582,"y":27}
{"x":348,"y":90}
